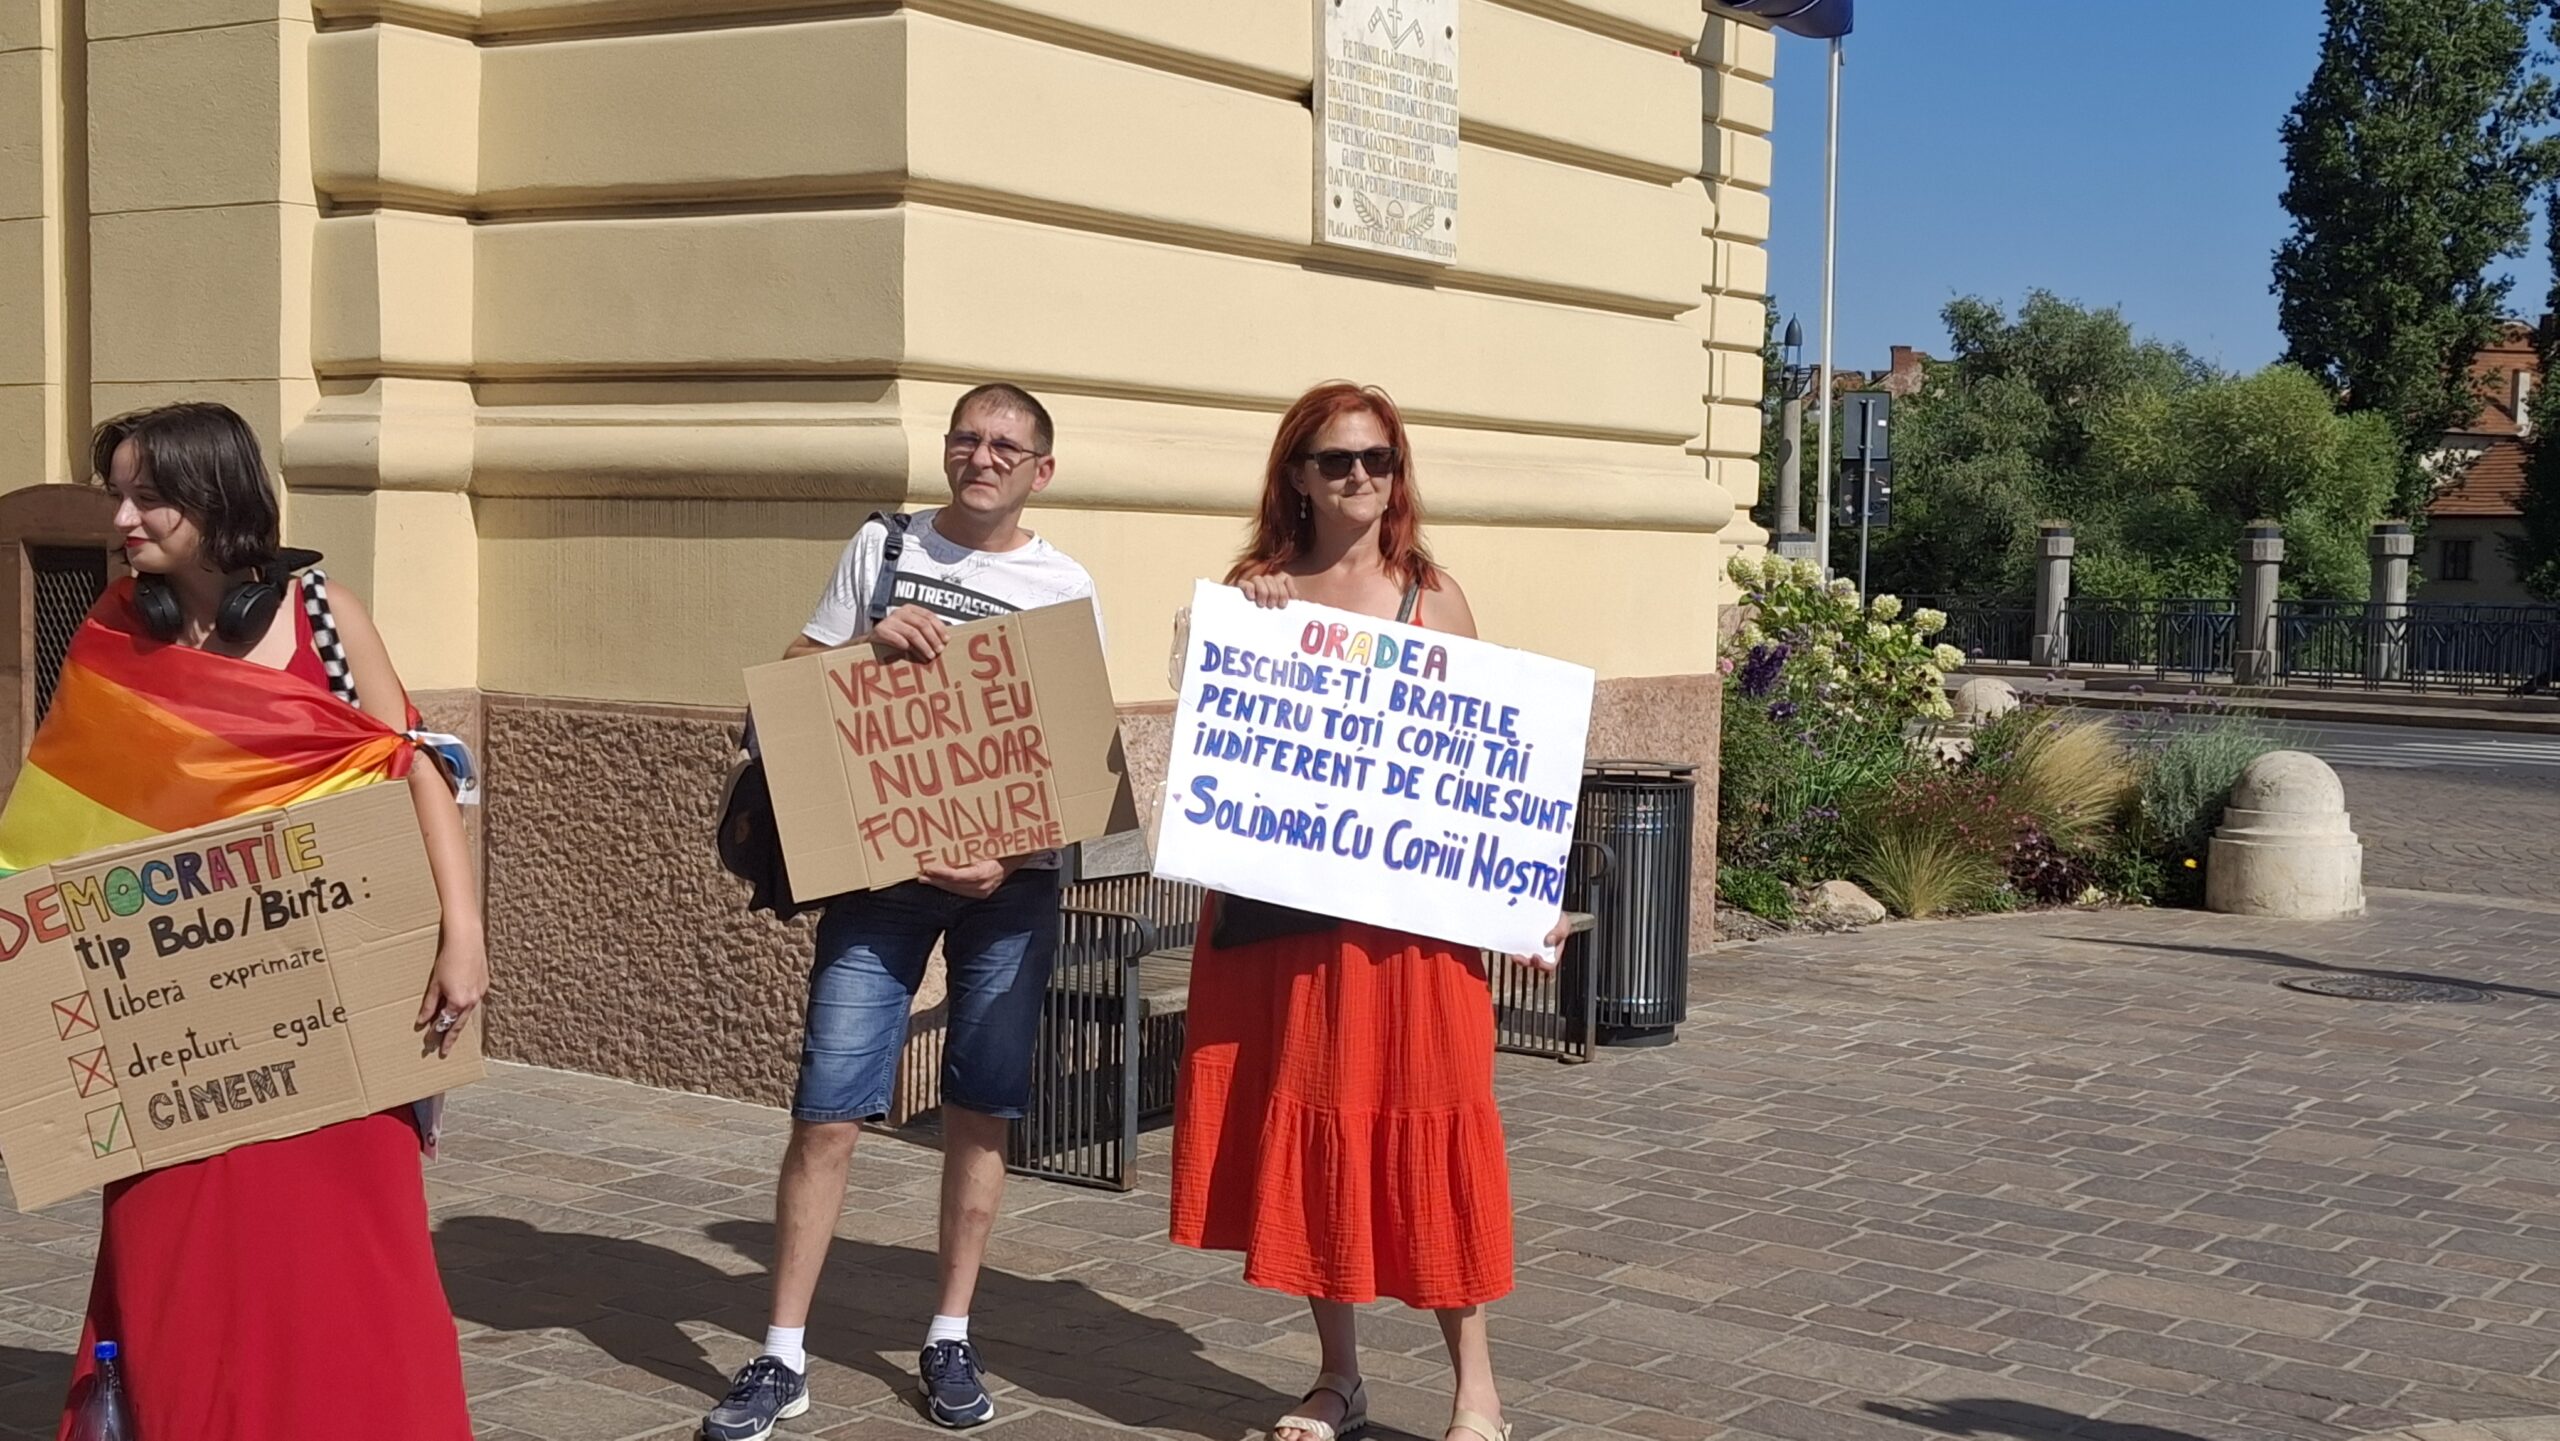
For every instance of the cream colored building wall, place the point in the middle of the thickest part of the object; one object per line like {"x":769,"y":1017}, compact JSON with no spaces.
{"x":1737,"y":65}
{"x":156,"y":218}
{"x":587,"y":329}
{"x":42,"y":244}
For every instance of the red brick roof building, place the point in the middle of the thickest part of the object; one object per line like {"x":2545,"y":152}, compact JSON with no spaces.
{"x":1902,"y":380}
{"x":2481,"y":502}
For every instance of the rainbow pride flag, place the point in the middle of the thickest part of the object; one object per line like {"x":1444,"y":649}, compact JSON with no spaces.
{"x":145,"y":737}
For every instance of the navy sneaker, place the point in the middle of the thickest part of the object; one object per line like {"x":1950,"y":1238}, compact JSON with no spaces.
{"x":947,"y":1373}
{"x":765,"y":1392}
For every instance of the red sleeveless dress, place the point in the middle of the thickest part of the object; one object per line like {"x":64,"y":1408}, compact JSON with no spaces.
{"x":281,"y":1291}
{"x":1334,"y":1118}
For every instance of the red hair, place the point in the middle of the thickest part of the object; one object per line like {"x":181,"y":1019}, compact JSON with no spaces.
{"x":1285,"y":530}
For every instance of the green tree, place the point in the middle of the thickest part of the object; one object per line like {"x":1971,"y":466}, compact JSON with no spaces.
{"x":2413,"y":156}
{"x":2000,"y":435}
{"x":2189,"y":471}
{"x":2155,"y":458}
{"x":2535,"y":549}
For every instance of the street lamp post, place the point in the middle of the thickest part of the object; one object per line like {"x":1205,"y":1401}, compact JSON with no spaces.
{"x":1791,"y":540}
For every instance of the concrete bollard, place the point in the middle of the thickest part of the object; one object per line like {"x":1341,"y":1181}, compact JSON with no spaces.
{"x":2253,"y":645}
{"x":2050,"y":645}
{"x":2285,"y":847}
{"x":1984,"y":699}
{"x":2386,"y":644}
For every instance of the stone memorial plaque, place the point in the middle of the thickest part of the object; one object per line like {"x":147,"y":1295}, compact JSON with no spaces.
{"x":1387,"y":127}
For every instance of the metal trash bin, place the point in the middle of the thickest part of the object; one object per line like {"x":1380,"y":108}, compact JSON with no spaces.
{"x":1637,"y":814}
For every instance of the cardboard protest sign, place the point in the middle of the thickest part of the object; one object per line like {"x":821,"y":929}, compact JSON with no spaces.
{"x":1374,"y":771}
{"x":173,"y":998}
{"x":1005,"y":744}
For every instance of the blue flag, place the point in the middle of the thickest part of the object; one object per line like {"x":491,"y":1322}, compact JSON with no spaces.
{"x":1819,"y":19}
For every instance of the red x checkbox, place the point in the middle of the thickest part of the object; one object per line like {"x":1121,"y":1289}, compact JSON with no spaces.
{"x":92,"y":1073}
{"x":72,"y":1016}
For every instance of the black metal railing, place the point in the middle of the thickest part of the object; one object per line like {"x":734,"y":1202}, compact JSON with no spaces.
{"x":1082,"y":1122}
{"x":2193,"y":638}
{"x":1173,"y":908}
{"x":2420,"y":646}
{"x":1983,"y":627}
{"x":1112,"y":1031}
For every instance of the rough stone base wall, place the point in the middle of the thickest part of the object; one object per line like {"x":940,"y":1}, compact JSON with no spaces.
{"x":618,"y":946}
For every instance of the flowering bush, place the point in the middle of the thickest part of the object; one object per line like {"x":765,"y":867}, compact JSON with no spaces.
{"x":1819,"y":693}
{"x":2186,"y":768}
{"x":1820,"y":778}
{"x":1938,"y":841}
{"x":1813,"y":645}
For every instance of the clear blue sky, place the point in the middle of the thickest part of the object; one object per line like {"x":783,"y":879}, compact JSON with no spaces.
{"x":2115,"y":152}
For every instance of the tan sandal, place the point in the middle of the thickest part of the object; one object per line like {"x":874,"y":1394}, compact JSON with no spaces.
{"x":1355,"y":1410}
{"x":1481,"y":1424}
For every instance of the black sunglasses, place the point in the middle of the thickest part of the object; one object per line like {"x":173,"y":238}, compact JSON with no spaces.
{"x":1380,"y":461}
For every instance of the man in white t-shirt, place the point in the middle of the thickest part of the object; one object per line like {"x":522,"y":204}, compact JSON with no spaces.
{"x":996,"y":921}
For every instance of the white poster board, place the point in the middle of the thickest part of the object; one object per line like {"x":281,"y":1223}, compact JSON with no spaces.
{"x":1374,"y":771}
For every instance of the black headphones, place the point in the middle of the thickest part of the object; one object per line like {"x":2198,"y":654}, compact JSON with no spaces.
{"x":246,"y":607}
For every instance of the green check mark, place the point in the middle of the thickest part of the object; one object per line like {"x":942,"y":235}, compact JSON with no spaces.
{"x":114,"y":1125}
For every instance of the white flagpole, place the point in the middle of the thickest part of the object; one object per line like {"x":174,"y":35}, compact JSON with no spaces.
{"x":1830,"y":264}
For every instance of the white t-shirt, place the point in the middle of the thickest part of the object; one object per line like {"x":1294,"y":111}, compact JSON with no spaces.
{"x":954,"y":582}
{"x":951,"y":580}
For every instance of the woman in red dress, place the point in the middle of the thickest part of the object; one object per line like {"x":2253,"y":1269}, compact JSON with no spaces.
{"x":284,"y":1290}
{"x":1334,"y":1119}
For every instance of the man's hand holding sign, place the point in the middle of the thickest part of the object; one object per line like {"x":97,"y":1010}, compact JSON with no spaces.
{"x":950,"y":755}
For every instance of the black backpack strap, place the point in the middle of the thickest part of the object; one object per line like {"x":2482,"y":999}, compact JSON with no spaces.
{"x":1412,"y":603}
{"x":885,"y":585}
{"x":324,"y":636}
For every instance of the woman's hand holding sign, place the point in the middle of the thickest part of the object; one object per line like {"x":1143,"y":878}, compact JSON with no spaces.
{"x":1545,"y":960}
{"x":1270,"y":592}
{"x":455,"y":988}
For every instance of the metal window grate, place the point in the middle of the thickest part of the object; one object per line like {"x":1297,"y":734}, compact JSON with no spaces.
{"x":67,"y":581}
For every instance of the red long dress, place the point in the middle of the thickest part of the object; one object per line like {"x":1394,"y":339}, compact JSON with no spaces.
{"x":260,"y":1294}
{"x":1334,"y":1119}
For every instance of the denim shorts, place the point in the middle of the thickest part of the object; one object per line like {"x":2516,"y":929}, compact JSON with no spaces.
{"x":872,"y":949}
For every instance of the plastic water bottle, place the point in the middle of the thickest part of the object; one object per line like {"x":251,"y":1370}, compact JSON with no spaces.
{"x":106,"y":1415}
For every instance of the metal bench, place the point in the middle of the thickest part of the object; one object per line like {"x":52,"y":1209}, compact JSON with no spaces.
{"x":1113,"y":1024}
{"x":1113,"y":1036}
{"x":1110,"y":1037}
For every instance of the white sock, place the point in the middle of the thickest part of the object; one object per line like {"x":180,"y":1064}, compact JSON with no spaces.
{"x":788,"y":1345}
{"x":947,"y":1328}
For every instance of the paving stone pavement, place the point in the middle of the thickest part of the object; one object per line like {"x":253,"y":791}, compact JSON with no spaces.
{"x":2060,"y":1175}
{"x":2477,"y":832}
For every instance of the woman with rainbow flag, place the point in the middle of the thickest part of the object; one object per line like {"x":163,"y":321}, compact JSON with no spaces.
{"x":261,"y":1292}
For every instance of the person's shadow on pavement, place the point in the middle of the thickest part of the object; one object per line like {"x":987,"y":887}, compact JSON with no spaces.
{"x":1058,"y":1339}
{"x":32,"y":1387}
